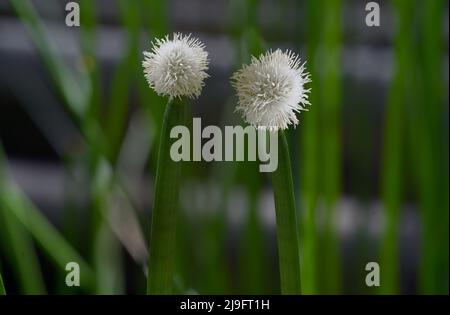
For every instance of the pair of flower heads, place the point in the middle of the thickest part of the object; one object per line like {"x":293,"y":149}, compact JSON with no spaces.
{"x":271,"y":89}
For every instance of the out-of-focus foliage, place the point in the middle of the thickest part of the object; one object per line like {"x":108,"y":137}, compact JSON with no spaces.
{"x":226,"y":243}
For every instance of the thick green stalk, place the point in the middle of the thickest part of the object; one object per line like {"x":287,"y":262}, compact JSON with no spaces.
{"x":164,"y":215}
{"x":2,"y":287}
{"x":286,"y":218}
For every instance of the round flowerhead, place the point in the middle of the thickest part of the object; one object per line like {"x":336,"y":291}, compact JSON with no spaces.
{"x":271,"y":90}
{"x":176,"y":67}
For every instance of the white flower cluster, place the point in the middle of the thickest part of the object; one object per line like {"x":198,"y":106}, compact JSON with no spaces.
{"x":176,"y":67}
{"x":271,"y":90}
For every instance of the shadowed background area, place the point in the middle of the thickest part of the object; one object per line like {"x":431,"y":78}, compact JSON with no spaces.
{"x":79,"y":132}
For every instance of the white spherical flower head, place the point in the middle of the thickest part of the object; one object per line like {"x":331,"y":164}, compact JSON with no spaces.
{"x":176,"y":67}
{"x":271,"y":90}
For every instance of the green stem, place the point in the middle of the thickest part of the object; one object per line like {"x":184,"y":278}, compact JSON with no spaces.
{"x":286,"y":218}
{"x":2,"y":287}
{"x":164,"y":216}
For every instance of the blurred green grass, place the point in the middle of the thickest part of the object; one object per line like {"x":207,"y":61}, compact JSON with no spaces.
{"x":415,"y":140}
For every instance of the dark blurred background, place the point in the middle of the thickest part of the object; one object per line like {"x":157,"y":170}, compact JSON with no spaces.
{"x":79,"y":130}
